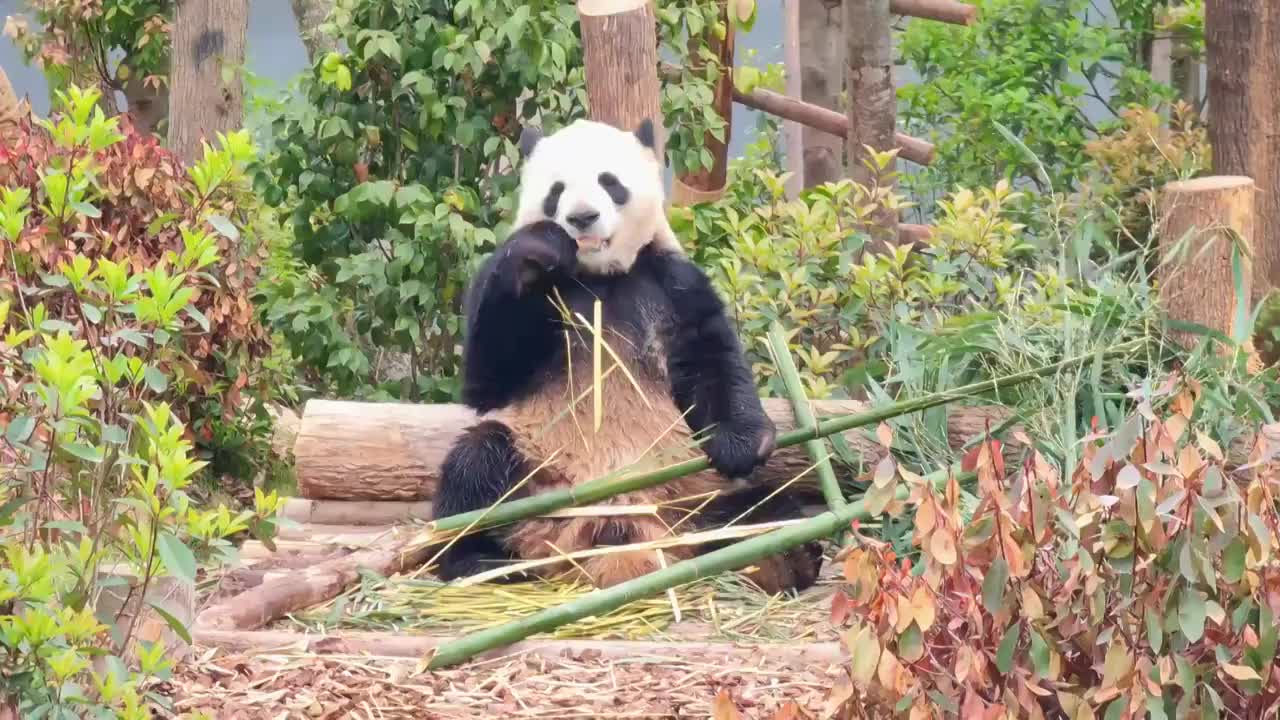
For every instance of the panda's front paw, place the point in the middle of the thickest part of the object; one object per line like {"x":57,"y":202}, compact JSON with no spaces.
{"x":536,"y":253}
{"x":737,"y":449}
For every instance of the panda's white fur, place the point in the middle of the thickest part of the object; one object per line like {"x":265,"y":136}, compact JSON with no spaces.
{"x":576,"y":156}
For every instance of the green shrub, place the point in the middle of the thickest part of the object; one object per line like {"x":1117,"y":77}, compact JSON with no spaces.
{"x":101,"y":189}
{"x":113,"y":300}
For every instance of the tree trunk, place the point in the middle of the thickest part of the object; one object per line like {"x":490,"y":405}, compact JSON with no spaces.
{"x":1242,"y":39}
{"x":310,"y":14}
{"x":208,"y":37}
{"x":792,"y":131}
{"x":1198,"y":220}
{"x":148,"y":106}
{"x":872,"y":99}
{"x":620,"y":55}
{"x":822,"y":80}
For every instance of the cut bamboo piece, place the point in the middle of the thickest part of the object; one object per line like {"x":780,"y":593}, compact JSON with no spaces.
{"x":393,"y":451}
{"x":1206,"y":222}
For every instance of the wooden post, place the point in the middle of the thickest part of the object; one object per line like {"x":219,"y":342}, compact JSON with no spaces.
{"x":1242,"y":39}
{"x":620,"y":54}
{"x":708,"y":184}
{"x":208,"y":35}
{"x":11,"y":110}
{"x":873,"y":100}
{"x":947,"y":11}
{"x":792,"y":131}
{"x":1197,"y":283}
{"x":822,"y":80}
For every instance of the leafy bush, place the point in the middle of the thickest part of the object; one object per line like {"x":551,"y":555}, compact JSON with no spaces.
{"x":1132,"y":161}
{"x":110,"y":305}
{"x":102,"y":190}
{"x":1029,"y":66}
{"x":1142,"y":585}
{"x":810,"y":265}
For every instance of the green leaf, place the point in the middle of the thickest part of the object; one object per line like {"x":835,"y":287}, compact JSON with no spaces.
{"x":155,"y":379}
{"x":1233,"y":561}
{"x":1191,"y":614}
{"x":174,"y":623}
{"x":20,"y":429}
{"x":911,"y":643}
{"x":114,"y":434}
{"x":1155,"y":634}
{"x":1004,"y":655}
{"x":994,"y":585}
{"x":84,"y":452}
{"x":8,"y":509}
{"x":224,"y":226}
{"x":177,"y":557}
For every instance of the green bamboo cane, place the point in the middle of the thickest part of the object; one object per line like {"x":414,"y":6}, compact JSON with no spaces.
{"x":804,"y":417}
{"x":606,"y":487}
{"x":600,"y":602}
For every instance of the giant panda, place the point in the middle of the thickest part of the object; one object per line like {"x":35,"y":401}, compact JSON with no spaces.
{"x":590,"y":224}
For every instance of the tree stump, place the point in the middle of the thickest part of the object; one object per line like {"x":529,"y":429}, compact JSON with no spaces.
{"x":1201,"y":221}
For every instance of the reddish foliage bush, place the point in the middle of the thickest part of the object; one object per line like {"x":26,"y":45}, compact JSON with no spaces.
{"x":1146,"y":585}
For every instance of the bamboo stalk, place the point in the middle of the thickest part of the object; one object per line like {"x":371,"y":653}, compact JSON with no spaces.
{"x":606,"y":487}
{"x":805,"y":419}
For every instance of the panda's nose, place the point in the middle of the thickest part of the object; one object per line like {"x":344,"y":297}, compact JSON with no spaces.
{"x":583,"y":219}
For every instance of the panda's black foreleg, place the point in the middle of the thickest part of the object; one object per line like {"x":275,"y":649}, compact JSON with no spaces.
{"x":710,"y":378}
{"x":480,"y":468}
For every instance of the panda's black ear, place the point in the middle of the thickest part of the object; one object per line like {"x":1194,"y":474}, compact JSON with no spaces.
{"x":645,"y":134}
{"x":529,"y":137}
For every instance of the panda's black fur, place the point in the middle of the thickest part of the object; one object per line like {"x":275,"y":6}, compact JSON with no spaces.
{"x":672,"y":331}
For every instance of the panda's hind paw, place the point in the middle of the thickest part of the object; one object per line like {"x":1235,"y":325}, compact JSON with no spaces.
{"x":796,"y":569}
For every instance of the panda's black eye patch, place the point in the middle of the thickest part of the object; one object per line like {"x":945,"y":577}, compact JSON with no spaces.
{"x":618,"y":192}
{"x":552,"y":200}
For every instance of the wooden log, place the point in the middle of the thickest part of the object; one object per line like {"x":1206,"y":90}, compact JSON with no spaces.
{"x":829,"y":121}
{"x":303,"y":588}
{"x":620,"y":58}
{"x":947,"y":11}
{"x":356,"y":512}
{"x":1201,"y":220}
{"x":391,"y":645}
{"x":393,"y":451}
{"x":708,"y":184}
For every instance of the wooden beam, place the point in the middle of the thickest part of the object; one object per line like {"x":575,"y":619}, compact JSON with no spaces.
{"x":947,"y":11}
{"x":393,"y":451}
{"x":620,"y":59}
{"x":829,"y":121}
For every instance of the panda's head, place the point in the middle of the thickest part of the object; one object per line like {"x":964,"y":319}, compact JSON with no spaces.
{"x":601,"y":184}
